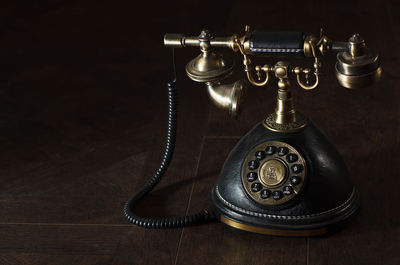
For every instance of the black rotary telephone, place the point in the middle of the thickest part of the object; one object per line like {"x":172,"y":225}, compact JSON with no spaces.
{"x":283,"y":177}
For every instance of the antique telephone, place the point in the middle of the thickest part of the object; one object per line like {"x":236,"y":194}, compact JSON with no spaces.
{"x":283,"y":177}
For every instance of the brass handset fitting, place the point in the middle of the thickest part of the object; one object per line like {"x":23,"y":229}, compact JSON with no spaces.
{"x":357,"y":66}
{"x":313,"y":47}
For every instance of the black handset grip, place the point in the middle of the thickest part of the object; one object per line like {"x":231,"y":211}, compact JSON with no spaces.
{"x":273,"y":44}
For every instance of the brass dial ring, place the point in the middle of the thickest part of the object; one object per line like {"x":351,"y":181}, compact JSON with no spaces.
{"x":273,"y":173}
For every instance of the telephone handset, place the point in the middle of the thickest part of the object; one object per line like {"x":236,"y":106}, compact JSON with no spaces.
{"x":283,"y":177}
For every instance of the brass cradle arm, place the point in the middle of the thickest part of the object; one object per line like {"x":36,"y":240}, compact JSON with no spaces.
{"x":357,"y":66}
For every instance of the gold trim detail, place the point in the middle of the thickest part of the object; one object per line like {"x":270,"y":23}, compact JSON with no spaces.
{"x":271,"y":124}
{"x":273,"y":232}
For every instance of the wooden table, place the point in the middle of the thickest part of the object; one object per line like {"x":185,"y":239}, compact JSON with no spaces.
{"x":83,"y":123}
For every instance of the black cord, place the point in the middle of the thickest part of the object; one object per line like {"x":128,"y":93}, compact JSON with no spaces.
{"x":166,"y":222}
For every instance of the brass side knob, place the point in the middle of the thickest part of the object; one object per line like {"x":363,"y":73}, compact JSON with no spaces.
{"x":359,"y":66}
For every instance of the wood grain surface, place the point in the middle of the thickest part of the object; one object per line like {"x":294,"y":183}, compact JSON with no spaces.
{"x":83,"y":122}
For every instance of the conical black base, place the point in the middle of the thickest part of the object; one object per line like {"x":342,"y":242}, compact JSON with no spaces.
{"x":328,"y":200}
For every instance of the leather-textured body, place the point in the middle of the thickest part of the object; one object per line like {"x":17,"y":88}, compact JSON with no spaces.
{"x":328,"y":198}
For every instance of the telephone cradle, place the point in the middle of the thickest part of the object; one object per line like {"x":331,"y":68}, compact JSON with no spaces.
{"x":283,"y":177}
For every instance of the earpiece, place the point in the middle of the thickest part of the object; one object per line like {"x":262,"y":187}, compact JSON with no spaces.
{"x":211,"y":68}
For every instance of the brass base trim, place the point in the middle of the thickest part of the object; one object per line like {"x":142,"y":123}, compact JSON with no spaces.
{"x":272,"y":125}
{"x":273,"y":232}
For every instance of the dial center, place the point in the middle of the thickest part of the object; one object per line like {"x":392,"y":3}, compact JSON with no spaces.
{"x":272,"y":173}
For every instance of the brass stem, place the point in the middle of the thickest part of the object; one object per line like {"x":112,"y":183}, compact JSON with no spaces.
{"x":284,"y":118}
{"x":284,"y":111}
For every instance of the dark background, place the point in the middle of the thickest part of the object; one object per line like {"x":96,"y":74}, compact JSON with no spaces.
{"x":83,"y":123}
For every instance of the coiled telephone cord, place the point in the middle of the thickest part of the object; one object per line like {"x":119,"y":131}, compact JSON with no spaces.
{"x":166,"y":222}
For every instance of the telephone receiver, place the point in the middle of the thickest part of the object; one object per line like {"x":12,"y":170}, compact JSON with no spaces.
{"x":283,"y":177}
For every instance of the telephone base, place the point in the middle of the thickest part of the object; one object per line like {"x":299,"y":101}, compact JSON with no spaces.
{"x":297,"y":228}
{"x":257,"y":195}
